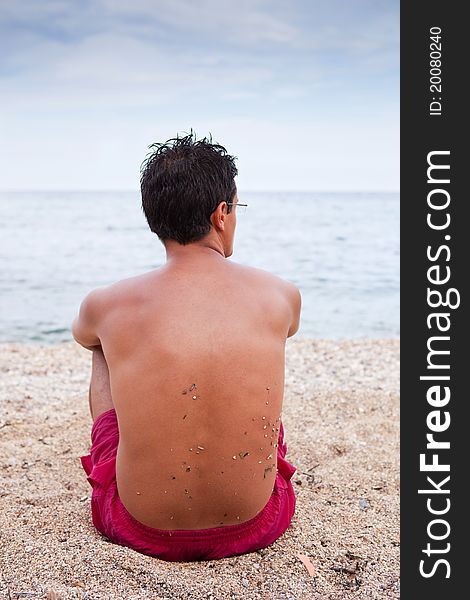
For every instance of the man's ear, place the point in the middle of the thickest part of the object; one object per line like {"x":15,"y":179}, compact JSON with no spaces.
{"x":218,"y":216}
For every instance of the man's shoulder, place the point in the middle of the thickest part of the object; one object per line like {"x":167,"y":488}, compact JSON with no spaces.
{"x":273,"y":291}
{"x":93,"y":299}
{"x":104,"y":296}
{"x":120,"y":287}
{"x":266,"y":278}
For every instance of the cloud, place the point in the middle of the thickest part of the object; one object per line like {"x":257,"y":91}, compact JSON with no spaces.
{"x":204,"y":33}
{"x":246,"y":21}
{"x":100,"y":75}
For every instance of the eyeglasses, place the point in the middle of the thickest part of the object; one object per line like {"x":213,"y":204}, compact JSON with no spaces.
{"x":238,"y":204}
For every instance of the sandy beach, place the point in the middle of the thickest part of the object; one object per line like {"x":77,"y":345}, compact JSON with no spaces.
{"x":341,"y":413}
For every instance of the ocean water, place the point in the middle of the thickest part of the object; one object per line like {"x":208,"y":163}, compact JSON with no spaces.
{"x":340,"y":249}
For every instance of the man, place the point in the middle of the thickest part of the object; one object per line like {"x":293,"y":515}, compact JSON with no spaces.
{"x":187,"y":458}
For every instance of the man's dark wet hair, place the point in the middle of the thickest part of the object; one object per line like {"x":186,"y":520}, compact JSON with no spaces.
{"x":183,"y":180}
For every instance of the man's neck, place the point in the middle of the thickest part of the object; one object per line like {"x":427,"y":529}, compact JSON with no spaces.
{"x":211,"y":248}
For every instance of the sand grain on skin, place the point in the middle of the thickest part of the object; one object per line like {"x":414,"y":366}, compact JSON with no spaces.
{"x":340,"y":415}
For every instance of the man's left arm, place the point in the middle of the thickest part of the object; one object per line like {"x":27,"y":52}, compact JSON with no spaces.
{"x":85,"y":325}
{"x":295,"y":300}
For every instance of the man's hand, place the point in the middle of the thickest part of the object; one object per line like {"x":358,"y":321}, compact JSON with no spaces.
{"x":85,"y":326}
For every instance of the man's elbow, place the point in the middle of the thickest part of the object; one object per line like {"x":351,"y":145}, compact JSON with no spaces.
{"x":73,"y":329}
{"x":88,"y":346}
{"x":295,"y":303}
{"x":293,"y":329}
{"x":80,"y":340}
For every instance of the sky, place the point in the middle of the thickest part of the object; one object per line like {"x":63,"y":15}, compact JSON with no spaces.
{"x":305,"y":93}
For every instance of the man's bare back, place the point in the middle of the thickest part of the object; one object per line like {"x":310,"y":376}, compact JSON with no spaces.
{"x":195,"y":352}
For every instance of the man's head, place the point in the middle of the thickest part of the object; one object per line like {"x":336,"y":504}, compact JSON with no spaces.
{"x":187,"y":186}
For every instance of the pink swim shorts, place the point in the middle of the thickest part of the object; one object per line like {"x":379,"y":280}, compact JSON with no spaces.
{"x":111,"y":518}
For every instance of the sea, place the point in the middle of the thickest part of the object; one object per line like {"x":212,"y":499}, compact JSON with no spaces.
{"x":340,"y":249}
